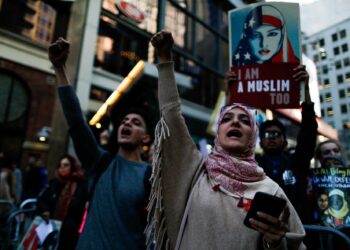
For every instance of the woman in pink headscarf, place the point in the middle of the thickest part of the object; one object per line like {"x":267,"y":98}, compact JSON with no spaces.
{"x":200,"y":202}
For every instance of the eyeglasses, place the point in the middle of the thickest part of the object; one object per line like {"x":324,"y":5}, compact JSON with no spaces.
{"x":272,"y":134}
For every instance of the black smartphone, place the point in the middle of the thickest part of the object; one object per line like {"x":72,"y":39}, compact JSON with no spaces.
{"x":263,"y":202}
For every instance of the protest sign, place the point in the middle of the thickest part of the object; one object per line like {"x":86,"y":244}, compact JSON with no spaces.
{"x":331,"y":187}
{"x":264,"y":50}
{"x":41,"y":235}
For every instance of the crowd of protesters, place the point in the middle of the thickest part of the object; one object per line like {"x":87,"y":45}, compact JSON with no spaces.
{"x":187,"y":201}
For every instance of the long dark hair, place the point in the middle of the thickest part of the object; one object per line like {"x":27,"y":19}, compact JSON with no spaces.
{"x":74,"y":166}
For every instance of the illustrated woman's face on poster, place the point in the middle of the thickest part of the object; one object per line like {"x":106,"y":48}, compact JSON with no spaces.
{"x":336,"y":202}
{"x":265,"y":42}
{"x":322,"y":202}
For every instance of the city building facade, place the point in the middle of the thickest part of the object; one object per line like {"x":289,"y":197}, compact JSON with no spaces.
{"x":329,"y":50}
{"x":108,"y":38}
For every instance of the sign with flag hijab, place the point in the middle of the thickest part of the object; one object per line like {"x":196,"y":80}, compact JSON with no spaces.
{"x":264,"y":49}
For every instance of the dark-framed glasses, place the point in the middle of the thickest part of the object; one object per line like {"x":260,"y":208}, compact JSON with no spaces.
{"x":272,"y":134}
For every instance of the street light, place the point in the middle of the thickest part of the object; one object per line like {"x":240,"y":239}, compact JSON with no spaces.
{"x":44,"y":134}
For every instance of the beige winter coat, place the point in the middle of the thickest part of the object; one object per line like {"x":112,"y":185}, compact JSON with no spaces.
{"x":186,"y":213}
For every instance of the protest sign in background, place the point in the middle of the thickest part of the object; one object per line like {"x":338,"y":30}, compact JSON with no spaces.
{"x":331,"y":187}
{"x":264,"y":49}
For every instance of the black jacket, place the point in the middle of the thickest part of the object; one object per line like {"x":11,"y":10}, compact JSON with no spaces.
{"x":290,"y":171}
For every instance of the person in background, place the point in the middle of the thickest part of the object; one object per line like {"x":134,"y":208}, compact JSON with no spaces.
{"x":17,"y":175}
{"x":200,"y":202}
{"x":119,"y":183}
{"x":64,"y":199}
{"x":104,"y":139}
{"x":290,"y":170}
{"x":7,"y":189}
{"x":329,"y":148}
{"x":333,"y":162}
{"x":35,"y":177}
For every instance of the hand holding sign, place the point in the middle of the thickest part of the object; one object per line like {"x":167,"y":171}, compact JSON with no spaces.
{"x":264,"y":46}
{"x":301,"y":75}
{"x":229,"y":81}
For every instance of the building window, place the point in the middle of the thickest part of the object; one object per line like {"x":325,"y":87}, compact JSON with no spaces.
{"x":329,"y":111}
{"x":328,"y":97}
{"x":348,"y":92}
{"x":121,"y":44}
{"x":344,"y":47}
{"x":323,"y":53}
{"x":342,"y":33}
{"x":99,"y":94}
{"x":322,"y":112}
{"x":340,"y":79}
{"x":14,"y":98}
{"x":338,"y":64}
{"x":334,"y":37}
{"x":346,"y":61}
{"x":324,"y":69}
{"x":316,"y":58}
{"x":342,"y":93}
{"x":321,"y":42}
{"x":35,"y":20}
{"x":321,"y":98}
{"x":336,"y":51}
{"x":343,"y":109}
{"x":314,"y":45}
{"x":326,"y":83}
{"x":347,"y":76}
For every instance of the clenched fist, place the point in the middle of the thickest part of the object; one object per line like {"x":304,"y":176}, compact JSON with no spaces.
{"x":58,"y":52}
{"x":163,"y":43}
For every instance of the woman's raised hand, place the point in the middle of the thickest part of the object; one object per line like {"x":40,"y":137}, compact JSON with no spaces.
{"x":58,"y":52}
{"x":301,"y":75}
{"x":275,"y":231}
{"x":229,"y":80}
{"x":163,"y":43}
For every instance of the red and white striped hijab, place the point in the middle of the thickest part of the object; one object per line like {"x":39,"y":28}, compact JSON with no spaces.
{"x":233,"y":171}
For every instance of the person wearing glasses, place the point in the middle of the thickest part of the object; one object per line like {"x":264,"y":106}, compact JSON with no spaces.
{"x":290,"y":170}
{"x":200,"y":202}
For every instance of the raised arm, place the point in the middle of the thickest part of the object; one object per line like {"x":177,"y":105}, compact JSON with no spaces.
{"x":84,"y":141}
{"x":180,"y":157}
{"x":306,"y":141}
{"x":229,"y":80}
{"x":301,"y":75}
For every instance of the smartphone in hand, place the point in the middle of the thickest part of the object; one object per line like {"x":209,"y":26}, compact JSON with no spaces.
{"x":263,"y":202}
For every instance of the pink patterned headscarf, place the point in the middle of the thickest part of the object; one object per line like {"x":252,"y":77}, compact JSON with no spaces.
{"x":231,"y":171}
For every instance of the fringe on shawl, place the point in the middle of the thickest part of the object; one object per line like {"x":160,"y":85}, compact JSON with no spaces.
{"x":155,"y":231}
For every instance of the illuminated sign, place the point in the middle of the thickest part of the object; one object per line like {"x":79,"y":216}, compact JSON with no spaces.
{"x":131,"y":11}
